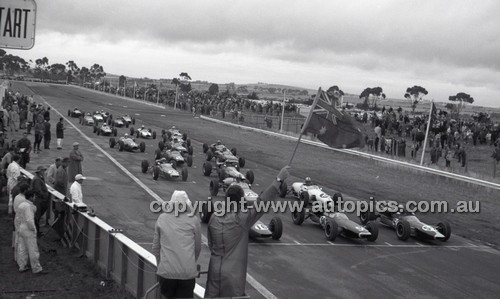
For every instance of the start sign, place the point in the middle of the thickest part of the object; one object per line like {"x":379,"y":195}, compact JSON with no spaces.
{"x":17,"y":24}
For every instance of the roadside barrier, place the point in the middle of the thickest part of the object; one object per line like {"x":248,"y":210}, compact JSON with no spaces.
{"x":116,"y":256}
{"x":458,"y":177}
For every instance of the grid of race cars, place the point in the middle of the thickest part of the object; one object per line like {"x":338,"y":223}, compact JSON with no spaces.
{"x":174,"y":155}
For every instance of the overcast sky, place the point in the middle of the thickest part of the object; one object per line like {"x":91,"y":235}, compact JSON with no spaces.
{"x":444,"y":46}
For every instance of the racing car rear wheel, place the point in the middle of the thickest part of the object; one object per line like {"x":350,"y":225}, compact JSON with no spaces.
{"x":298,"y":217}
{"x":156,"y":172}
{"x":205,"y":147}
{"x":189,"y":160}
{"x":366,"y":216}
{"x":142,"y":147}
{"x":250,"y":176}
{"x":115,"y":132}
{"x":276,"y":228}
{"x":210,"y":155}
{"x":283,"y":189}
{"x":144,"y":166}
{"x":190,"y":150}
{"x":188,"y":142}
{"x":445,"y":229}
{"x":241,"y":162}
{"x":121,"y":146}
{"x":184,"y":173}
{"x":207,"y":168}
{"x":214,"y":187}
{"x":112,"y":142}
{"x":138,"y":134}
{"x":403,"y":230}
{"x":205,"y":214}
{"x":157,"y":154}
{"x":154,"y":134}
{"x":331,"y":229}
{"x":222,"y":174}
{"x":132,"y":131}
{"x":373,"y":229}
{"x":234,"y":151}
{"x":184,"y":136}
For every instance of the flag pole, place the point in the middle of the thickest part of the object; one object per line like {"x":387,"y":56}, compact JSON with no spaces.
{"x":426,"y":134}
{"x":304,"y":126}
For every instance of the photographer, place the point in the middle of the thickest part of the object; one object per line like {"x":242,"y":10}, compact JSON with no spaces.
{"x":228,"y":242}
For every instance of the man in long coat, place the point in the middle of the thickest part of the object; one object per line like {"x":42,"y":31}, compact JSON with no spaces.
{"x":75,"y":162}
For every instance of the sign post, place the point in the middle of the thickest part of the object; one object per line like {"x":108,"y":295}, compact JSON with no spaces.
{"x":17,"y":24}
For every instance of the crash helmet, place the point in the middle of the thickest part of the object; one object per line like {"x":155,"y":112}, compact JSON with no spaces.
{"x":142,"y":126}
{"x":88,"y":113}
{"x":219,"y":142}
{"x":176,"y":140}
{"x":308,"y":181}
{"x":173,"y":127}
{"x":125,"y":135}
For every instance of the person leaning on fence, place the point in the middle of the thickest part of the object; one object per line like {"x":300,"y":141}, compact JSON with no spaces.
{"x":13,"y":172}
{"x":42,"y":195}
{"x":176,"y":246}
{"x":228,"y":242}
{"x":75,"y":190}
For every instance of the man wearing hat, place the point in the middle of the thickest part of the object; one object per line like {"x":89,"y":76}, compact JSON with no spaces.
{"x":76,"y":189}
{"x":75,"y":162}
{"x":42,"y":199}
{"x":24,"y":148}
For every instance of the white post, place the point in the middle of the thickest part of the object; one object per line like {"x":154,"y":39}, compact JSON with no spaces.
{"x":133,"y":96}
{"x":283,"y":111}
{"x":176,"y":96}
{"x":158,"y":97}
{"x":426,"y":135}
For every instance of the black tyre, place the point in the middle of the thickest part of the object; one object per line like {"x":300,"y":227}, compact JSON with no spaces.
{"x":142,"y":147}
{"x":210,"y":155}
{"x":169,"y":134}
{"x":234,"y":151}
{"x":138,"y":134}
{"x":331,"y":229}
{"x":298,"y":217}
{"x":189,"y":160}
{"x":205,"y":214}
{"x":163,"y":132}
{"x":373,"y":229}
{"x":403,"y":230}
{"x":241,"y":162}
{"x":132,"y":131}
{"x":121,"y":146}
{"x":283,"y":190}
{"x":190,"y":150}
{"x":364,"y":217}
{"x":112,"y":142}
{"x":184,"y":136}
{"x":304,"y":197}
{"x":126,"y":124}
{"x":188,"y":142}
{"x":276,"y":228}
{"x":133,"y":120}
{"x":250,"y":176}
{"x":115,"y":132}
{"x":156,"y":172}
{"x":69,"y":112}
{"x":214,"y":187}
{"x":144,"y":166}
{"x":184,"y":174}
{"x":222,"y":174}
{"x":157,"y":154}
{"x":161,"y":145}
{"x":445,"y":229}
{"x":207,"y":168}
{"x":108,"y":121}
{"x":95,"y":129}
{"x":154,"y":134}
{"x":98,"y":132}
{"x":205,"y":147}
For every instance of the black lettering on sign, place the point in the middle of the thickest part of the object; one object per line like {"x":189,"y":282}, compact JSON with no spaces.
{"x":14,"y":22}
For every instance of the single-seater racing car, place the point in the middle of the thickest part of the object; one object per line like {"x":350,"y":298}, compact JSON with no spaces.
{"x":321,"y":209}
{"x":142,"y":132}
{"x":105,"y":130}
{"x":177,"y":144}
{"x":98,"y":116}
{"x":259,"y":230}
{"x":221,"y":154}
{"x":129,"y":119}
{"x":75,"y":112}
{"x":127,"y":143}
{"x":119,"y":122}
{"x":227,"y":170}
{"x":406,"y":224}
{"x":87,"y":120}
{"x":165,"y":169}
{"x":173,"y":133}
{"x":174,"y":156}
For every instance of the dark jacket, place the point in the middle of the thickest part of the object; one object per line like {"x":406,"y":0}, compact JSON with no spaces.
{"x":47,"y":130}
{"x":39,"y":188}
{"x":60,"y":130}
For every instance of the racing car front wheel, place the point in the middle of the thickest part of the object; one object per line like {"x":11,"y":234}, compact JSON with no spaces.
{"x":161,"y":145}
{"x":207,"y":168}
{"x":214,"y":187}
{"x":132,"y":131}
{"x":283,"y":189}
{"x":234,"y":151}
{"x":241,"y":162}
{"x":142,"y":147}
{"x":445,"y":229}
{"x":205,"y":214}
{"x":366,"y":216}
{"x":331,"y":230}
{"x":403,"y":230}
{"x":121,"y":146}
{"x":184,"y":173}
{"x":298,"y":216}
{"x":304,"y":197}
{"x":189,"y":160}
{"x":188,"y":142}
{"x":156,"y":173}
{"x":154,"y":134}
{"x":210,"y":155}
{"x":190,"y":150}
{"x":373,"y":229}
{"x":276,"y":228}
{"x":205,"y":147}
{"x":157,"y":154}
{"x":144,"y":166}
{"x":250,"y":176}
{"x":112,"y":142}
{"x":115,"y":132}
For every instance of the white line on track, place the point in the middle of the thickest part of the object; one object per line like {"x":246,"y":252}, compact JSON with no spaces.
{"x":252,"y":281}
{"x":296,"y":242}
{"x":388,"y":244}
{"x":368,"y":245}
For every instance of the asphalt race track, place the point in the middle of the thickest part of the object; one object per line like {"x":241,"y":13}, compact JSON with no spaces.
{"x":302,"y":264}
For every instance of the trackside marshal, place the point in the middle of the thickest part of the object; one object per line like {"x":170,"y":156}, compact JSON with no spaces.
{"x":17,"y":24}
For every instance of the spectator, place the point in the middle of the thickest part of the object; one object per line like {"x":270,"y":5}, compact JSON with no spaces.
{"x":39,"y":133}
{"x":18,"y":193}
{"x":75,"y":162}
{"x":27,"y":247}
{"x":13,"y":119}
{"x":447,"y":156}
{"x":61,"y":186}
{"x":60,"y":133}
{"x":46,"y":115}
{"x":13,"y":172}
{"x":76,"y":189}
{"x":176,"y":246}
{"x":50,"y":175}
{"x":42,"y":199}
{"x":47,"y":135}
{"x":228,"y":242}
{"x":24,"y":148}
{"x":6,"y":160}
{"x":30,"y":118}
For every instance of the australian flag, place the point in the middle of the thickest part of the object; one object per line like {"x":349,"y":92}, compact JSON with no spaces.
{"x":331,"y":126}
